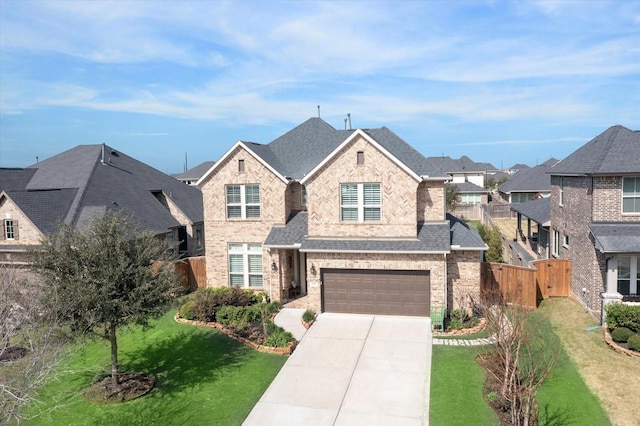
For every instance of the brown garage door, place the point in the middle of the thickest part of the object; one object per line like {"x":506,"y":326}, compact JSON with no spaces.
{"x":380,"y":292}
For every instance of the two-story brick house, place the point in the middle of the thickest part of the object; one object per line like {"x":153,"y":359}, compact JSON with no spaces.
{"x":352,"y":220}
{"x":595,"y":217}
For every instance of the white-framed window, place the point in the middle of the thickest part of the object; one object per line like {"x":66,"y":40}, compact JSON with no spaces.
{"x":561,"y":186}
{"x":10,"y":229}
{"x":360,"y":202}
{"x":556,"y":243}
{"x":470,"y":198}
{"x":245,"y":265}
{"x":565,"y":240}
{"x":243,"y":201}
{"x":629,"y":275}
{"x":170,"y":241}
{"x":631,"y":195}
{"x":303,"y":195}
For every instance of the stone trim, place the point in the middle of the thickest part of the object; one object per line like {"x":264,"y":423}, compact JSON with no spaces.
{"x":609,"y":341}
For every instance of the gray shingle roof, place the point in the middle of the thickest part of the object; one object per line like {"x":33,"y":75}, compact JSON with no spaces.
{"x":15,"y":179}
{"x":291,"y":234}
{"x":463,"y":236}
{"x":85,"y":184}
{"x":300,"y":150}
{"x":468,"y":187}
{"x":531,"y":179}
{"x":615,"y":151}
{"x":463,"y":164}
{"x":616,"y":237}
{"x":196,"y":172}
{"x":537,"y":210}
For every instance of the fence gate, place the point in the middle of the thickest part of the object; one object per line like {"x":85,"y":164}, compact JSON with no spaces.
{"x":553,"y":277}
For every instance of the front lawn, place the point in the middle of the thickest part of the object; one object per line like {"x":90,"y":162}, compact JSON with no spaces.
{"x":457,"y":387}
{"x":202,"y":377}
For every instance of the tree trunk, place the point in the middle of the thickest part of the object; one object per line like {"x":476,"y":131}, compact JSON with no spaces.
{"x":114,"y":354}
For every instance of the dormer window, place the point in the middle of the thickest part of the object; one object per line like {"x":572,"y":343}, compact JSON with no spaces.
{"x":360,"y":158}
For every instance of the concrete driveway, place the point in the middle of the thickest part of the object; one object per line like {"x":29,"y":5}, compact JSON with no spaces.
{"x":353,"y":370}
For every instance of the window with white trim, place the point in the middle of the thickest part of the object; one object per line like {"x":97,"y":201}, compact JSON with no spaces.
{"x":243,"y":201}
{"x":9,"y":229}
{"x":565,"y":240}
{"x":556,"y":243}
{"x":198,"y":233}
{"x":360,"y":202}
{"x":303,"y":195}
{"x":245,"y":265}
{"x":629,"y":275}
{"x":470,"y":198}
{"x":561,"y":186}
{"x":631,"y":195}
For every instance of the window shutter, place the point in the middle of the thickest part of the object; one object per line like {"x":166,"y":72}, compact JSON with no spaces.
{"x":4,"y":224}
{"x":15,"y":229}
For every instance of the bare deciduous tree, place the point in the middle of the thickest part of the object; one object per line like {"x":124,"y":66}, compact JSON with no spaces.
{"x":30,"y":342}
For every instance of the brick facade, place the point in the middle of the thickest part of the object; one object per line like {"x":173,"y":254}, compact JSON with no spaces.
{"x":27,"y":232}
{"x":463,"y":279}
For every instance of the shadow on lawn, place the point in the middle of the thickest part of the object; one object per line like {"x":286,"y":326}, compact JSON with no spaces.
{"x":554,"y":417}
{"x":186,"y":359}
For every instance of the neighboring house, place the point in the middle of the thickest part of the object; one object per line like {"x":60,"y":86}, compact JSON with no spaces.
{"x":74,"y":185}
{"x":528,"y":184}
{"x":192,"y":176}
{"x":536,"y":235}
{"x":353,"y":220}
{"x":516,"y":168}
{"x":463,"y":169}
{"x":595,"y":217}
{"x":470,"y":198}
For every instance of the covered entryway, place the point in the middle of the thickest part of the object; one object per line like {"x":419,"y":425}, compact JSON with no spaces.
{"x":376,"y":292}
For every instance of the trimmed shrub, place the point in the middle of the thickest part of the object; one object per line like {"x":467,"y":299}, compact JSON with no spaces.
{"x":620,"y":315}
{"x":621,"y":334}
{"x":187,"y":310}
{"x":308,"y":315}
{"x":634,"y":342}
{"x":207,"y":301}
{"x":279,"y":338}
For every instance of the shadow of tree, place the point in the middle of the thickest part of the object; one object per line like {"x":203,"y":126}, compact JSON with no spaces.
{"x":187,"y":358}
{"x":554,"y":417}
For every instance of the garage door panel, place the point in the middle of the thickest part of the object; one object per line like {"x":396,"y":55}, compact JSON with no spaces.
{"x":382,"y":292}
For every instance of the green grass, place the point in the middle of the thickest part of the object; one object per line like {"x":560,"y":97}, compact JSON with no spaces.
{"x":457,"y":383}
{"x":564,"y":397}
{"x":473,"y":223}
{"x":202,"y":377}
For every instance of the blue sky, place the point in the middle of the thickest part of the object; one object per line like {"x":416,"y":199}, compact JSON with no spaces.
{"x":500,"y":81}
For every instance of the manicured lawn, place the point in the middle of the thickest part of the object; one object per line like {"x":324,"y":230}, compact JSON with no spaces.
{"x":202,"y":377}
{"x":457,"y":383}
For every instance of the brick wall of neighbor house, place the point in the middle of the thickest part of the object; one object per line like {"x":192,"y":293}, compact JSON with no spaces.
{"x":183,"y":220}
{"x":219,"y":231}
{"x":607,"y":200}
{"x":430,"y":201}
{"x":435,"y":263}
{"x":572,"y":219}
{"x":398,"y":195}
{"x":27,"y":232}
{"x":463,"y":277}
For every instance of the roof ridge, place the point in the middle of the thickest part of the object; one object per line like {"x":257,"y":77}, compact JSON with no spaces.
{"x":607,"y":147}
{"x":74,"y":212}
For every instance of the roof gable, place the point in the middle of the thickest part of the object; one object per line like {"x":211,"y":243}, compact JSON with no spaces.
{"x":615,"y":151}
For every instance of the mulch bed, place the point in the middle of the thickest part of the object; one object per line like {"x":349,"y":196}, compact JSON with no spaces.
{"x":130,"y":386}
{"x":619,"y":347}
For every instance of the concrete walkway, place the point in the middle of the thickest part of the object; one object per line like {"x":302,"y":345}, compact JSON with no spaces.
{"x":352,"y":370}
{"x":291,"y":320}
{"x":464,"y":342}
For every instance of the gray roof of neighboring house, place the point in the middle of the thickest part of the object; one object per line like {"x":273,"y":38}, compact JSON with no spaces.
{"x":537,"y":210}
{"x":616,"y":237}
{"x":615,"y":151}
{"x":86,"y":185}
{"x":196,"y":172}
{"x":463,"y":236}
{"x":468,"y":187}
{"x":432,"y":238}
{"x":300,"y":150}
{"x":463,"y":164}
{"x":531,"y":179}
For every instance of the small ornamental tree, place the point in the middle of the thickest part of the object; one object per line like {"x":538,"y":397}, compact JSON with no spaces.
{"x":107,"y":274}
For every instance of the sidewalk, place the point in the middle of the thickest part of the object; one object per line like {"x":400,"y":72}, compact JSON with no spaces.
{"x":291,"y":320}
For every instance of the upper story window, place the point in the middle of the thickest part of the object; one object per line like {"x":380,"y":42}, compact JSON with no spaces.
{"x":243,"y":201}
{"x":360,"y":202}
{"x":631,"y":195}
{"x":360,"y":158}
{"x":241,"y":165}
{"x":561,"y":186}
{"x":10,"y":229}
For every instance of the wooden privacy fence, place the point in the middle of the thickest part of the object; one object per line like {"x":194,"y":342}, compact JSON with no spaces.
{"x":526,"y":286}
{"x":194,"y":271}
